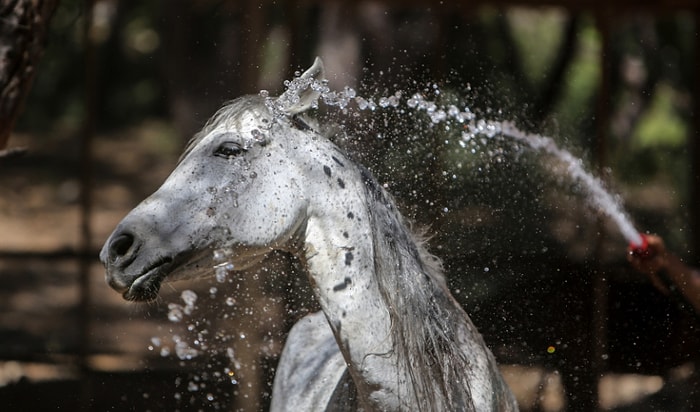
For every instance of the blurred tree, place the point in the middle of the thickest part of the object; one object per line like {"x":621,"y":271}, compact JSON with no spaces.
{"x":23,"y":29}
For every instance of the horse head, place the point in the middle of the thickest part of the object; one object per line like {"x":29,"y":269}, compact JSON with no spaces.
{"x":240,"y":185}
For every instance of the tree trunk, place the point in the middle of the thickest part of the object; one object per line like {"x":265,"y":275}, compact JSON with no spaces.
{"x":24,"y":26}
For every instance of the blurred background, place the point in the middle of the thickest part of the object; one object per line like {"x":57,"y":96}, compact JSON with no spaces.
{"x":118,"y":87}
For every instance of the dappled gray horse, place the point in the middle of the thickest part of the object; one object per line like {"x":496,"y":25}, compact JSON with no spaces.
{"x":257,"y":178}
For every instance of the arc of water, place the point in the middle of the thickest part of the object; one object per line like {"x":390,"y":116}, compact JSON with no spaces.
{"x":596,"y":194}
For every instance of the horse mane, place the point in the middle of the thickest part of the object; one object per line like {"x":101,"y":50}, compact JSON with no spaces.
{"x":425,"y":318}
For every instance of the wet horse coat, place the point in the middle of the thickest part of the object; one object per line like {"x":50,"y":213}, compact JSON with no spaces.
{"x":257,"y":178}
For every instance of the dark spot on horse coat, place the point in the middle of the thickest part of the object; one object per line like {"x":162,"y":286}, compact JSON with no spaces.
{"x":348,"y":258}
{"x":327,"y":170}
{"x":341,"y":183}
{"x":300,"y":124}
{"x":341,"y":286}
{"x":338,"y":161}
{"x":345,"y":235}
{"x":351,"y":215}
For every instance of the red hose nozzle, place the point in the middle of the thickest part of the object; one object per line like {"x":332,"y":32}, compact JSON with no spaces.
{"x":641,"y":250}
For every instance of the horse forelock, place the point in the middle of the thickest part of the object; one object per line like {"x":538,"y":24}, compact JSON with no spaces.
{"x":226,"y":117}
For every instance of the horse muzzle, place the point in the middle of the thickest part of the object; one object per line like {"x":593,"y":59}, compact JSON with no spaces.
{"x":126,"y":274}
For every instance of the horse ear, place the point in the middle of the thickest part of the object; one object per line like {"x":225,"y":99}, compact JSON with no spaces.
{"x":301,"y":95}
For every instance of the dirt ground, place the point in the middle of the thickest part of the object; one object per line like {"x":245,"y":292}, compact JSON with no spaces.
{"x":122,"y":356}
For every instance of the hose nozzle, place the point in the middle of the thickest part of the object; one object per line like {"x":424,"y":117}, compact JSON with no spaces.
{"x":640,"y":249}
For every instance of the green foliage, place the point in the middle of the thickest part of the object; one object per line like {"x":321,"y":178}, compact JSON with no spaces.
{"x":126,"y":69}
{"x":662,"y":125}
{"x":537,"y":34}
{"x":574,"y":111}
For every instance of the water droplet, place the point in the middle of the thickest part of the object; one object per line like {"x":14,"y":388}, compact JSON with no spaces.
{"x":189,"y":297}
{"x":183,"y":351}
{"x":221,"y":271}
{"x":361,"y":103}
{"x":350,"y":92}
{"x":257,"y":135}
{"x":230,"y":301}
{"x":414,"y":101}
{"x":175,"y":312}
{"x":220,"y":255}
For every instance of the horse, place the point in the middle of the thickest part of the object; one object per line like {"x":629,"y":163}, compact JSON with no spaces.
{"x":260,"y":177}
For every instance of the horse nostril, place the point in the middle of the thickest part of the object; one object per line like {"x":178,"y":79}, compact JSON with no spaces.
{"x":121,"y":245}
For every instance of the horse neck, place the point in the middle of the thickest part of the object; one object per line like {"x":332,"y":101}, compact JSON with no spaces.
{"x":376,"y":291}
{"x":340,"y":255}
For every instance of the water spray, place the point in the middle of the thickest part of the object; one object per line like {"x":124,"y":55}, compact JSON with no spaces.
{"x":594,"y":189}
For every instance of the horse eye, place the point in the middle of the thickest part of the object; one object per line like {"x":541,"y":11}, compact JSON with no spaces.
{"x":227,"y":150}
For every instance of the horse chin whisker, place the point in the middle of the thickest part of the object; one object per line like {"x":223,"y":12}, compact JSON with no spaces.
{"x":171,"y":288}
{"x":145,"y":287}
